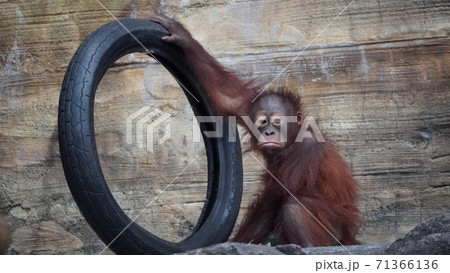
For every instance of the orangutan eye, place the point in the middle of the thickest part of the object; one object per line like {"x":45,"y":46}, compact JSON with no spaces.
{"x":276,"y":121}
{"x":261,"y":121}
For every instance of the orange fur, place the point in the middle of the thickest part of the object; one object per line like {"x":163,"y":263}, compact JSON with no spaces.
{"x":321,"y":193}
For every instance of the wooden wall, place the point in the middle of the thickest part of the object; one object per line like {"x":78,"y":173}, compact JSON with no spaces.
{"x":376,"y":78}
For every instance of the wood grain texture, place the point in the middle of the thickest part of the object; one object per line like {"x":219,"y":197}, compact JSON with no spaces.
{"x":376,"y":80}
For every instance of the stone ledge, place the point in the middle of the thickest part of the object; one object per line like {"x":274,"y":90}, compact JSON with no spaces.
{"x":429,"y":238}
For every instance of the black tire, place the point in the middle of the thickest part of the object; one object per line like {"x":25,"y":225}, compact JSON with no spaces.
{"x":79,"y":154}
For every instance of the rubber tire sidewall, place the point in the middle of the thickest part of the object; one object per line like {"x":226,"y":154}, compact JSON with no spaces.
{"x":79,"y":153}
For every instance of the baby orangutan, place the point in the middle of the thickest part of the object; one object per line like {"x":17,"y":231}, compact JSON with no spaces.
{"x":309,"y":196}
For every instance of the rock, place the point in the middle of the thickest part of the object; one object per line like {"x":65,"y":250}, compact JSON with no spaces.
{"x":431,"y":237}
{"x":4,"y":236}
{"x":375,"y":249}
{"x":290,"y":249}
{"x":44,"y":238}
{"x":234,"y":249}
